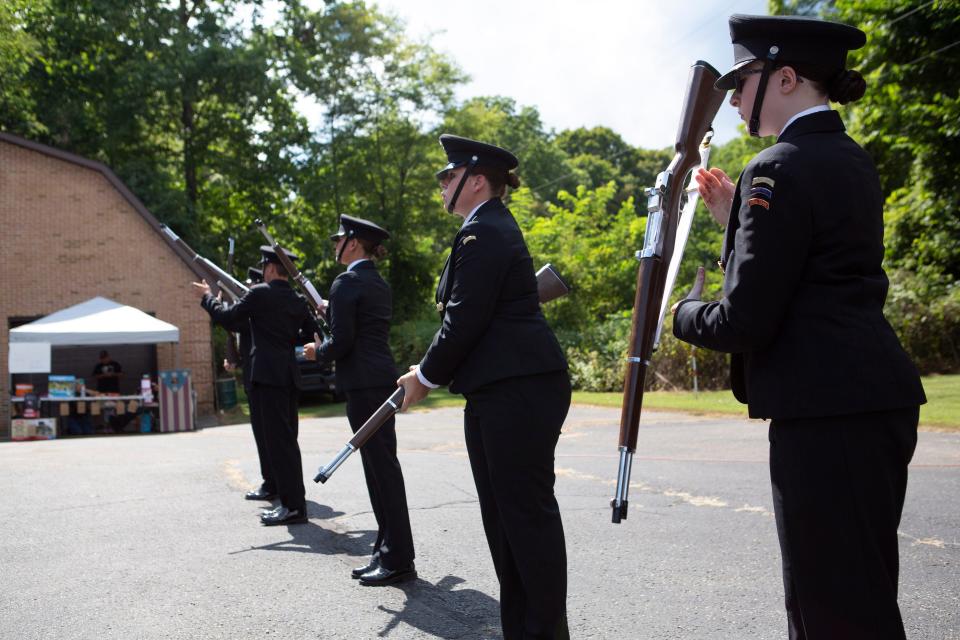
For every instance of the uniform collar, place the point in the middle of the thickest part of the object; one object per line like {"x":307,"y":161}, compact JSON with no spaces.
{"x":820,"y":121}
{"x":473,"y":213}
{"x":357,"y":263}
{"x":476,"y":209}
{"x":805,"y":112}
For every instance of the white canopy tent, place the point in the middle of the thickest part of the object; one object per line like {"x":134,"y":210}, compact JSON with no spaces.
{"x":98,"y":321}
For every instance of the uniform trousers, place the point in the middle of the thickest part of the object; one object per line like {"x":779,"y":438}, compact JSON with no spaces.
{"x":277,"y":407}
{"x":511,"y":429}
{"x":838,"y":490}
{"x":266,"y":474}
{"x":393,"y":548}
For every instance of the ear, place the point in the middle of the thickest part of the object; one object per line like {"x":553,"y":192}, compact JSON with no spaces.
{"x":788,"y":79}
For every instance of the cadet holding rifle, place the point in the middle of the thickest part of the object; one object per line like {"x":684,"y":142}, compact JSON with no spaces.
{"x":268,"y":486}
{"x":359,"y":311}
{"x":277,"y":315}
{"x":495,"y":347}
{"x":802,"y":316}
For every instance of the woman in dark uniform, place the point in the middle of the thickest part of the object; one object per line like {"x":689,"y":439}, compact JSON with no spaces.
{"x":802,"y":316}
{"x":359,"y":312}
{"x":495,"y":347}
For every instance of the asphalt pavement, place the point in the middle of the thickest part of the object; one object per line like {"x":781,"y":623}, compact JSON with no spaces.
{"x":149,"y":537}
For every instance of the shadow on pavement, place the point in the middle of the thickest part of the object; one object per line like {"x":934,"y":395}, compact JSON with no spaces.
{"x":442,"y":612}
{"x":312,"y":538}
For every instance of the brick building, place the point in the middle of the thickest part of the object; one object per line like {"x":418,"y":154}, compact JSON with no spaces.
{"x":73,"y":231}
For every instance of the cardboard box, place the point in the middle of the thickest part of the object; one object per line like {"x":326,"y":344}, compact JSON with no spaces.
{"x":35,"y":429}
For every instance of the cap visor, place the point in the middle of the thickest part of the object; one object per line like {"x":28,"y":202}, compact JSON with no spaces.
{"x":728,"y":81}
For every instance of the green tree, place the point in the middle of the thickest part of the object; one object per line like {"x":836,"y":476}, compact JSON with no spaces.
{"x":18,"y":51}
{"x":373,"y":156}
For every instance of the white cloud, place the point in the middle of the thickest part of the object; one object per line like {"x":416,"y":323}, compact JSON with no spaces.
{"x":613,"y":63}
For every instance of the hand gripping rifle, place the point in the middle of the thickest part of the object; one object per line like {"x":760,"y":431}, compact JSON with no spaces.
{"x":684,"y":225}
{"x":313,"y":296}
{"x":700,"y":105}
{"x":219,"y":280}
{"x":374,"y":422}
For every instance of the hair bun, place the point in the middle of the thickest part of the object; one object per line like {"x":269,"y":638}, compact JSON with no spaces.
{"x":513,"y":180}
{"x":847,"y":86}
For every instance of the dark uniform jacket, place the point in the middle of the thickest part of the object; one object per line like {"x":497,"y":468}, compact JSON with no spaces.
{"x":359,"y":313}
{"x":493,"y":327}
{"x":276,"y":314}
{"x":802,"y":311}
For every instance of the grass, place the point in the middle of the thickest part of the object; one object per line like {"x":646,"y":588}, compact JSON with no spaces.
{"x":942,"y":410}
{"x":943,"y":402}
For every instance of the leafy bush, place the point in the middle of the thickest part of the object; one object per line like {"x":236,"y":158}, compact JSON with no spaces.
{"x":597,"y":357}
{"x":924,"y":309}
{"x":410,"y":340}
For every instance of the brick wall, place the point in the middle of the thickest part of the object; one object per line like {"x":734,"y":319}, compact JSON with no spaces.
{"x":70,"y":235}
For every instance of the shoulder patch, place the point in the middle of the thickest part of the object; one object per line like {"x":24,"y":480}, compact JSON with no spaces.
{"x":762,"y":180}
{"x":761,"y":192}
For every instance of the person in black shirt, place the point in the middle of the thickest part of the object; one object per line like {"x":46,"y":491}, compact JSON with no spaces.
{"x":107,"y":373}
{"x":359,"y":311}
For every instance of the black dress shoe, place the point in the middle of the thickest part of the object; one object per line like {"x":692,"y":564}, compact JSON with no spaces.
{"x":282,"y":515}
{"x":359,"y":571}
{"x":381,"y":576}
{"x":260,"y":494}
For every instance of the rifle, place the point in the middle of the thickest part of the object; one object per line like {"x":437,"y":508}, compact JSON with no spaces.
{"x":364,"y":433}
{"x":313,"y":296}
{"x":219,"y":280}
{"x":700,"y":105}
{"x":233,"y":352}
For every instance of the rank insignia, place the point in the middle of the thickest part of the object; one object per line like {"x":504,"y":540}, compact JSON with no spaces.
{"x":467,"y":239}
{"x":761,"y":192}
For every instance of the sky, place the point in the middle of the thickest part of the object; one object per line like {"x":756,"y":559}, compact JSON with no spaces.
{"x":616,"y":63}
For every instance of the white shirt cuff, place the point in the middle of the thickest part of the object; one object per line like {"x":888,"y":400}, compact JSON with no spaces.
{"x":424,"y":381}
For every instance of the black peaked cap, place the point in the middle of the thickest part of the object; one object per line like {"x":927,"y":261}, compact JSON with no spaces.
{"x":267,"y":254}
{"x":360,"y":228}
{"x":461,"y":150}
{"x":254,"y":275}
{"x":798,"y":40}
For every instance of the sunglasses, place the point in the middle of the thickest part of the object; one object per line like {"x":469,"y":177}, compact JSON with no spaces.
{"x":739,"y":78}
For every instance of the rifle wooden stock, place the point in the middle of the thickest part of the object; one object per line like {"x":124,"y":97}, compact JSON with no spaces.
{"x":550,"y":285}
{"x":700,"y":105}
{"x":364,"y":433}
{"x":313,"y":296}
